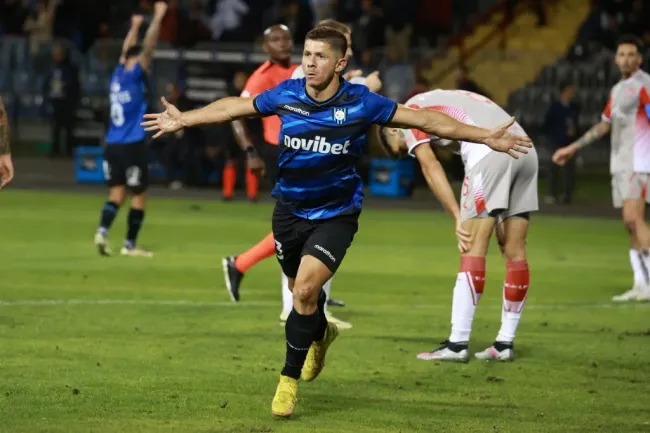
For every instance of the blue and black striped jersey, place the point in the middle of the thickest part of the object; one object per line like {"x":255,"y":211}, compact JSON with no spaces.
{"x":320,"y":145}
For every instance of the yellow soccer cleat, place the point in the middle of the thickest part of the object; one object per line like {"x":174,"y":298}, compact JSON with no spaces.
{"x":316,"y":356}
{"x":285,"y":397}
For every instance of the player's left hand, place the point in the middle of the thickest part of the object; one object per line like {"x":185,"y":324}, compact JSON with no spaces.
{"x":167,"y":121}
{"x":502,"y":140}
{"x":6,"y":170}
{"x":463,"y":236}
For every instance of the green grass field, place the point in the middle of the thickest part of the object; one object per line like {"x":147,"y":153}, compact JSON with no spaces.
{"x":138,"y":345}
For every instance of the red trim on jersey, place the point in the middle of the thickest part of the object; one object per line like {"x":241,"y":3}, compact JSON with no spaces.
{"x":607,"y":112}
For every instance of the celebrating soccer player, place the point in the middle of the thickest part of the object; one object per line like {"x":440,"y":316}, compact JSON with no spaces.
{"x":497,"y":189}
{"x":125,"y":157}
{"x":325,"y":121}
{"x":626,"y":116}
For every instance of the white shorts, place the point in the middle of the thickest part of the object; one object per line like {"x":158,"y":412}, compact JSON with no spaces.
{"x":500,"y":184}
{"x":629,"y":186}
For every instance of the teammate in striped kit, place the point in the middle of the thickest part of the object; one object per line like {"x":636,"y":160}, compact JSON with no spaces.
{"x":626,"y":116}
{"x":498,"y":191}
{"x":325,"y":121}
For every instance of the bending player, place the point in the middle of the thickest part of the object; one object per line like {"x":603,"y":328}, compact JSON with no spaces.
{"x":325,"y":122}
{"x":126,"y":163}
{"x":6,"y":164}
{"x":626,"y":116}
{"x":497,"y":189}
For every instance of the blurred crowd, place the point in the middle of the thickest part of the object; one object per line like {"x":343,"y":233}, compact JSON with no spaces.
{"x":190,"y":21}
{"x":607,"y":21}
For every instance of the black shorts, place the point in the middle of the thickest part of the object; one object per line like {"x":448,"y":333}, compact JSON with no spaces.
{"x":269,"y":154}
{"x":127,"y":165}
{"x":327,"y":240}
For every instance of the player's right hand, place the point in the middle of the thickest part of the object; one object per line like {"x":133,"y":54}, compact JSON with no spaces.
{"x":563,"y":155}
{"x":464,"y":237}
{"x":6,"y":170}
{"x":168,"y":121}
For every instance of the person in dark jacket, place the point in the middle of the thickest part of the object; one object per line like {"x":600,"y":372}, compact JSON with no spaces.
{"x":560,"y":128}
{"x":62,"y":94}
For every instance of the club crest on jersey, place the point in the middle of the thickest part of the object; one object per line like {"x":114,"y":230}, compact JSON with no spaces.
{"x":340,"y":115}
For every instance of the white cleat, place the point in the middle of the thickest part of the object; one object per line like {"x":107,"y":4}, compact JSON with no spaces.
{"x":492,"y":353}
{"x":101,"y":242}
{"x":448,"y":352}
{"x":340,"y":324}
{"x":135,"y":252}
{"x":283,"y":317}
{"x":631,"y":295}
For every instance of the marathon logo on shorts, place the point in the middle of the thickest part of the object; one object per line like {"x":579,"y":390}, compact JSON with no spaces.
{"x":324,"y":251}
{"x":318,"y":144}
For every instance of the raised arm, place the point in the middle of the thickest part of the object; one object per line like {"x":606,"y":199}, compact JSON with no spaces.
{"x":444,"y":126}
{"x":221,"y":111}
{"x":131,"y":38}
{"x":6,"y":164}
{"x":151,"y":37}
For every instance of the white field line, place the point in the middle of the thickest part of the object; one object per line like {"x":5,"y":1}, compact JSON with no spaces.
{"x":189,"y":303}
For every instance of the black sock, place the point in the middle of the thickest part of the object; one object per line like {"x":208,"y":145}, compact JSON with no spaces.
{"x":109,"y":212}
{"x":136,"y":216}
{"x":299,"y":331}
{"x":322,"y":323}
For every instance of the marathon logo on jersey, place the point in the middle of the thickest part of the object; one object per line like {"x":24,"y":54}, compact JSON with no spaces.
{"x":296,"y":110}
{"x":318,"y":144}
{"x":340,"y":115}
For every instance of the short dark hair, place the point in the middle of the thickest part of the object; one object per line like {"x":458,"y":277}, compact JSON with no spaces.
{"x":134,"y":51}
{"x":332,"y":37}
{"x":336,"y":25}
{"x":631,"y":40}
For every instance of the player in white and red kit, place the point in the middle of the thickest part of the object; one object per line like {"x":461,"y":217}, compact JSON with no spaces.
{"x":499,"y":191}
{"x":626,"y":116}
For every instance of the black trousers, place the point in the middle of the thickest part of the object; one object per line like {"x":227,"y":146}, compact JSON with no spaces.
{"x":63,"y":134}
{"x":569,"y":171}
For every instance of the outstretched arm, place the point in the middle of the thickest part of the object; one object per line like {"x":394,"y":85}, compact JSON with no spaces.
{"x":131,"y":38}
{"x":444,"y":126}
{"x":221,"y":111}
{"x":151,"y":37}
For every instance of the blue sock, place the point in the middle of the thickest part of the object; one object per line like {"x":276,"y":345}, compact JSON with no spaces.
{"x":135,"y":219}
{"x":109,"y":212}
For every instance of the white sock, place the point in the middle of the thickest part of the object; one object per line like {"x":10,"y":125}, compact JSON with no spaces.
{"x":287,"y":296}
{"x":327,"y":287}
{"x":640,"y":265}
{"x":463,"y":307}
